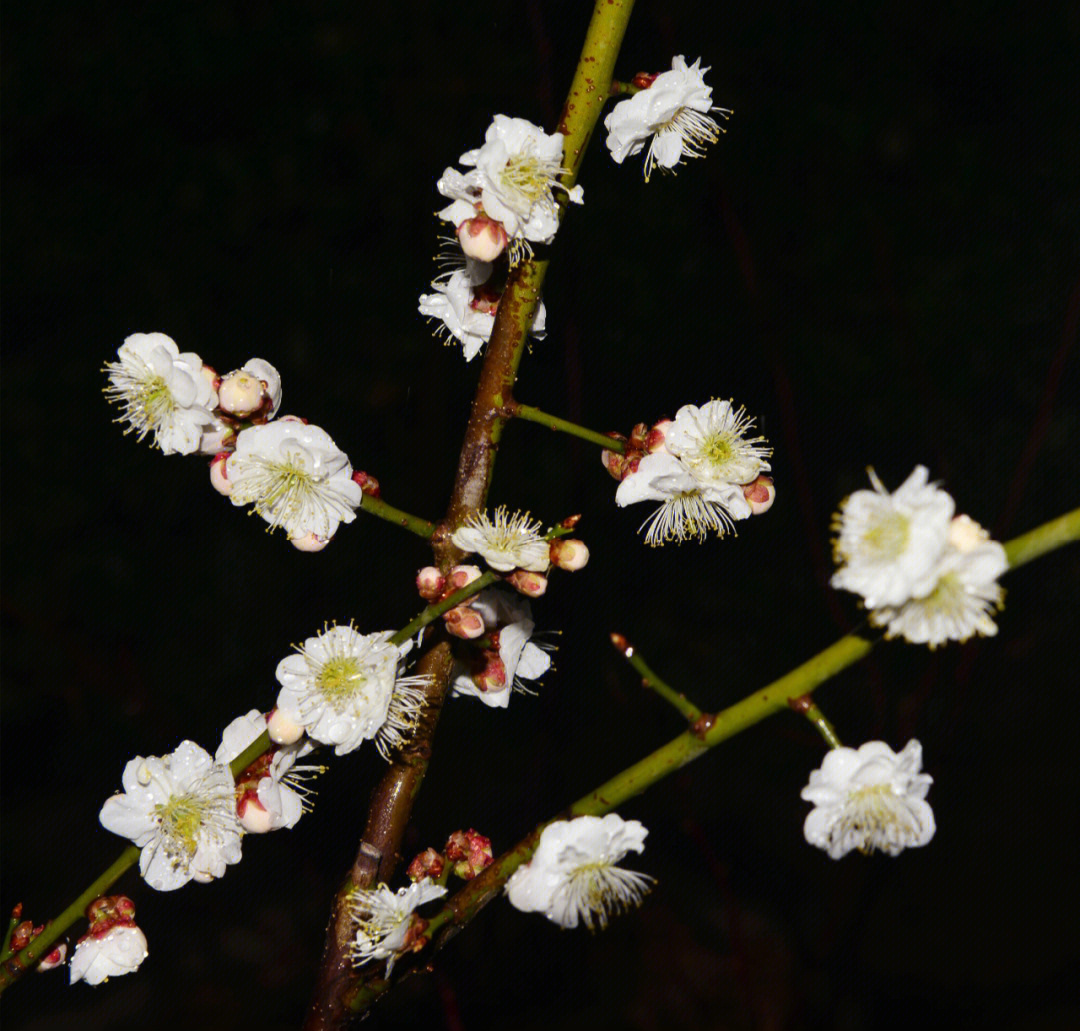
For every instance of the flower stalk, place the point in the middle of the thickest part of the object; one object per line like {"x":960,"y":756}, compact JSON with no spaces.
{"x":414,"y":524}
{"x":650,"y":680}
{"x":556,"y":424}
{"x":806,"y":706}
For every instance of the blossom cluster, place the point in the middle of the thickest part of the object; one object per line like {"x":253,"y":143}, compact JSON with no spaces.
{"x":703,"y":468}
{"x":292,"y":474}
{"x":923,"y":573}
{"x":672,"y":111}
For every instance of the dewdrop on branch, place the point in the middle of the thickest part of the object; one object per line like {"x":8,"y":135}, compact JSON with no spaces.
{"x":870,"y":799}
{"x":573,"y":875}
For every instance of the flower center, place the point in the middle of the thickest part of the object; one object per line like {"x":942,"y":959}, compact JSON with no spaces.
{"x":888,"y":537}
{"x":877,"y":816}
{"x":340,"y":678}
{"x":529,"y":177}
{"x":182,"y":818}
{"x":717,"y":449}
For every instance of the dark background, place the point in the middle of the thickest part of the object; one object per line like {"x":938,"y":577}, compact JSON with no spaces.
{"x":879,"y":259}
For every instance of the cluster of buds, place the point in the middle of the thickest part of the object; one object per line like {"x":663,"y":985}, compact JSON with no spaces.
{"x":25,"y":932}
{"x":466,"y":854}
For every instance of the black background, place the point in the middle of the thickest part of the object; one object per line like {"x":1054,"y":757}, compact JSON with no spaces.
{"x":879,"y":260}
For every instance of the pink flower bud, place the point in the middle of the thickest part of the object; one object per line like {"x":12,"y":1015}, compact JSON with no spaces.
{"x":638,"y":435}
{"x":462,"y":576}
{"x":210,"y":376}
{"x":309,"y":542}
{"x":532,"y":585}
{"x":470,"y":853}
{"x":464,"y":622}
{"x":252,"y":814}
{"x":219,"y":474}
{"x":492,"y":678}
{"x":614,"y":463}
{"x":654,"y":440}
{"x":240,"y":394}
{"x":569,"y":554}
{"x":366,"y":482}
{"x":760,"y":493}
{"x":482,"y":238}
{"x":430,"y":583}
{"x":283,"y":730}
{"x":643,"y":80}
{"x":428,"y":863}
{"x":53,"y":959}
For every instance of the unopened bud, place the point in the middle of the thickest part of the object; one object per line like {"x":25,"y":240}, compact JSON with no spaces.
{"x":219,"y":474}
{"x":309,"y":542}
{"x":966,"y":534}
{"x":283,"y":729}
{"x":470,"y":853}
{"x":240,"y":394}
{"x":638,"y":436}
{"x":643,"y":80}
{"x":464,"y":622}
{"x":462,"y":576}
{"x":293,"y":418}
{"x":482,"y":238}
{"x":430,"y":583}
{"x":654,"y":439}
{"x":614,"y":463}
{"x":569,"y":554}
{"x":532,"y":585}
{"x":760,"y":494}
{"x":252,"y":814}
{"x":492,"y":679}
{"x":211,"y":377}
{"x":366,"y":482}
{"x":428,"y":863}
{"x":53,"y":959}
{"x":270,"y":378}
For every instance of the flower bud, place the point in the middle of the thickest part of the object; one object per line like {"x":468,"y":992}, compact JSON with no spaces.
{"x":219,"y":474}
{"x":464,"y":622}
{"x":760,"y":493}
{"x":482,"y":238}
{"x":270,"y":378}
{"x":212,"y":378}
{"x":53,"y":959}
{"x":462,"y":576}
{"x":654,"y":439}
{"x":613,"y":462}
{"x":965,"y":534}
{"x":470,"y":853}
{"x":366,"y":482}
{"x":430,"y":583}
{"x":309,"y":542}
{"x":638,"y":435}
{"x":283,"y":730}
{"x":252,"y":813}
{"x":240,"y":394}
{"x":492,"y":678}
{"x":532,"y":585}
{"x":643,"y":80}
{"x":569,"y":554}
{"x":428,"y":863}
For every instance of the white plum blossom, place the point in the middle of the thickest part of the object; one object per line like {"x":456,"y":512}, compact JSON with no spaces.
{"x":506,"y":542}
{"x":514,"y":178}
{"x":343,"y":688}
{"x":889,"y":545}
{"x":163,"y":392}
{"x":383,"y":918}
{"x":573,"y":874}
{"x":673,"y":114}
{"x":295,"y":477}
{"x":965,"y":592}
{"x":711,"y":442}
{"x":280,"y":797}
{"x":689,"y":510}
{"x":180,"y":809}
{"x":262,"y":370}
{"x":870,"y":798}
{"x":120,"y":950}
{"x":466,"y":316}
{"x":520,"y":659}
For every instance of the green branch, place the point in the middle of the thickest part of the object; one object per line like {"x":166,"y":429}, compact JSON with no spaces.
{"x":554,"y":423}
{"x":378,"y":507}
